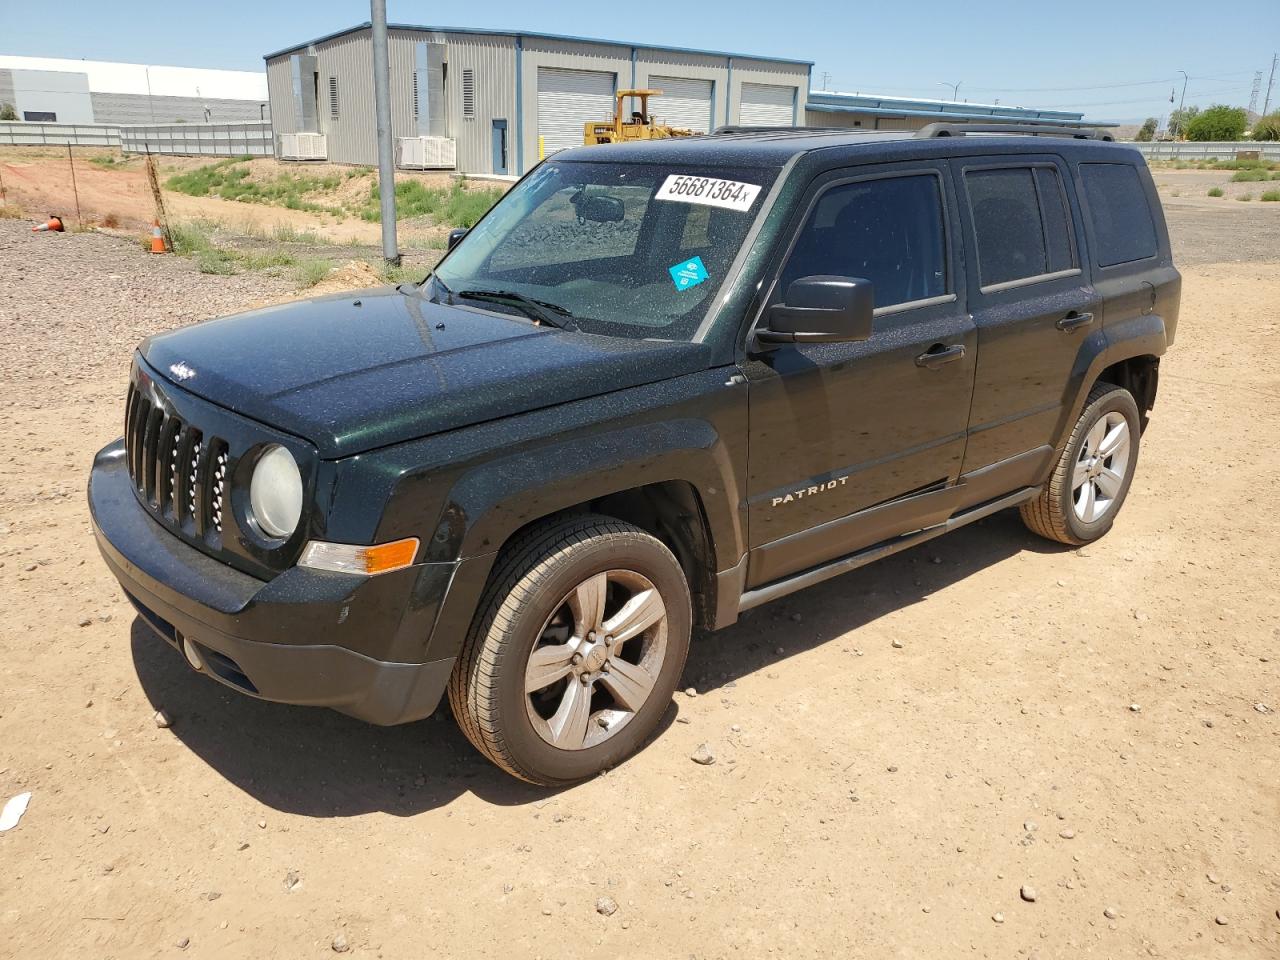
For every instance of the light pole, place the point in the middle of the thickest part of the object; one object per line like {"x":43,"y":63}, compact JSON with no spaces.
{"x":955,"y":88}
{"x":151,"y":104}
{"x":382,"y":116}
{"x":1181,"y":100}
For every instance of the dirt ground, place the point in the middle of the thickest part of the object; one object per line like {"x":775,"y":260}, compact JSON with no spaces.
{"x":39,"y":180}
{"x":899,"y":751}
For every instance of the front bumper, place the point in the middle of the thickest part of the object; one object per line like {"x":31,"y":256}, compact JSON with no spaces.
{"x":247,"y":630}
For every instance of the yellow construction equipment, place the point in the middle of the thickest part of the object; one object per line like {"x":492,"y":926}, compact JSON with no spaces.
{"x":639,"y":126}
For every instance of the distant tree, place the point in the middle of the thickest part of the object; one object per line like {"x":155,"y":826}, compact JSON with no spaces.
{"x":1218,"y":122}
{"x":1180,"y":119}
{"x":1147,"y":131}
{"x":7,"y":112}
{"x":1268,"y":127}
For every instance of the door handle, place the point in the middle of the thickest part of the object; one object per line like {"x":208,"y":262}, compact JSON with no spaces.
{"x":939,"y":354}
{"x":1073,"y":321}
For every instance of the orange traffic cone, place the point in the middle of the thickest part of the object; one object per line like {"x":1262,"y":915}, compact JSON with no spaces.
{"x":157,"y":238}
{"x":54,"y":224}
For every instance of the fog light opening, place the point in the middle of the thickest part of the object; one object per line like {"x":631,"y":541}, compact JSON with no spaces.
{"x":192,"y":653}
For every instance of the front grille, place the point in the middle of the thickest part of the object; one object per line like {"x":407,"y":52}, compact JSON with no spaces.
{"x":180,"y":473}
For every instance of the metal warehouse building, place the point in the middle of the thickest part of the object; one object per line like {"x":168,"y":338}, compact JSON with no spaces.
{"x":899,"y":113}
{"x":57,"y":90}
{"x":488,"y":101}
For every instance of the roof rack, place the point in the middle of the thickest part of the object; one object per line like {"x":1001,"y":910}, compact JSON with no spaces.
{"x":1028,"y":129}
{"x":736,"y":128}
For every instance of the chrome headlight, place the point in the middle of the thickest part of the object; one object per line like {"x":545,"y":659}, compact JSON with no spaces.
{"x":275,"y":492}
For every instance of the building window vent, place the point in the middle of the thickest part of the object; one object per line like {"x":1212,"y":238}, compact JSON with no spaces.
{"x":415,"y":96}
{"x":468,"y":92}
{"x":333,"y":98}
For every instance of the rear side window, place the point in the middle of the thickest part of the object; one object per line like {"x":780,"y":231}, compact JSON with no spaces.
{"x":1059,"y":245}
{"x":889,"y":231}
{"x":1122,"y":227}
{"x":1006,"y":218}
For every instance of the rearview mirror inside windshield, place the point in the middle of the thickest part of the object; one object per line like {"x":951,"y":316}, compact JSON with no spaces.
{"x":598,"y":208}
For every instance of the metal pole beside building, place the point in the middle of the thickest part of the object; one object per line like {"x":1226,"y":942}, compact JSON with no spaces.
{"x":382,"y":110}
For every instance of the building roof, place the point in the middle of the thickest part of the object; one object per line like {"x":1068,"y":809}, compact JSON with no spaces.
{"x":824,"y":101}
{"x":111,"y":77}
{"x":535,"y":35}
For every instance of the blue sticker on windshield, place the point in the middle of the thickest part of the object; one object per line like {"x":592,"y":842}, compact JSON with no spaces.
{"x":688,"y":273}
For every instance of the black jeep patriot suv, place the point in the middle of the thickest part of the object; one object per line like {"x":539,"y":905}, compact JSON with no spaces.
{"x":655,"y":386}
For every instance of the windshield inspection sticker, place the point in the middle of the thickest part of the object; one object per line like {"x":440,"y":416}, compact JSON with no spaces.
{"x":688,"y":273}
{"x":708,"y":191}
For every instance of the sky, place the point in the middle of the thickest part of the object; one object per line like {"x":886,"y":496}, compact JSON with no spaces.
{"x":1116,"y":61}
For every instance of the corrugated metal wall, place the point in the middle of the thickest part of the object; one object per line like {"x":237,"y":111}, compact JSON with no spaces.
{"x":494,"y":61}
{"x":284,"y":118}
{"x":132,"y":108}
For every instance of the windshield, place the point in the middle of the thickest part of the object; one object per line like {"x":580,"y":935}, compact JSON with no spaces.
{"x":623,"y":249}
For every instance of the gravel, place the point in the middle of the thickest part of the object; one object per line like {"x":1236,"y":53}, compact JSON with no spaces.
{"x":97,"y":296}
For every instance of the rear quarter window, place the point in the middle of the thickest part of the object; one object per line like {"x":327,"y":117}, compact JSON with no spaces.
{"x":1123,"y":230}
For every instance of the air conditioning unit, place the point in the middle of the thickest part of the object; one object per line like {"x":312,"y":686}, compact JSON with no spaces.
{"x":427,"y":153}
{"x":303,"y":146}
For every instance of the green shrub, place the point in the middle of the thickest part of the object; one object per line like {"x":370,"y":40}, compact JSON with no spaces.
{"x":453,"y":206}
{"x":1147,"y":131}
{"x":1249,"y":176}
{"x":310,"y":272}
{"x":1268,"y":127}
{"x":215,"y":261}
{"x":1218,"y":122}
{"x":190,"y":237}
{"x":1215,"y":191}
{"x":1271,"y":196}
{"x":7,"y":112}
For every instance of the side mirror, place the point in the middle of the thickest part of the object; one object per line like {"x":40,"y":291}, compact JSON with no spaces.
{"x":821,"y":310}
{"x":454,"y":236}
{"x":599,"y":209}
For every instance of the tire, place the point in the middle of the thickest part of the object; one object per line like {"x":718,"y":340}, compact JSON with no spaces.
{"x":539,"y":596}
{"x":1061,"y":511}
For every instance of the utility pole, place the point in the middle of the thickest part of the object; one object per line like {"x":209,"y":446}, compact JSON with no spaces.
{"x":1270,"y":80}
{"x":382,"y":110}
{"x":826,"y":77}
{"x":1181,"y":101}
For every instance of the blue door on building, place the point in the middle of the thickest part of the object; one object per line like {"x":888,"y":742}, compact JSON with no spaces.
{"x":500,"y":146}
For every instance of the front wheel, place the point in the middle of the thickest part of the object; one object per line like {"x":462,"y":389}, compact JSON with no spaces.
{"x":575,"y":652}
{"x":1093,"y":473}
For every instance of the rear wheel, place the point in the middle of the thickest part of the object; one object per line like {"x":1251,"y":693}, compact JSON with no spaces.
{"x":1091,"y":479}
{"x":576,"y":649}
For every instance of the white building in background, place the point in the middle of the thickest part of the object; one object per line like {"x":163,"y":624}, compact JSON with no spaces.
{"x":56,"y":90}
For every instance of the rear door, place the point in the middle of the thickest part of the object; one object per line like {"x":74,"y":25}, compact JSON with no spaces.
{"x":837,"y":428}
{"x":1031,"y":298}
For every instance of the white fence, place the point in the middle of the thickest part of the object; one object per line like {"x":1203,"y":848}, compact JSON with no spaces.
{"x":1193,"y":150}
{"x":27,"y":134}
{"x":172,"y":139}
{"x":199,"y":139}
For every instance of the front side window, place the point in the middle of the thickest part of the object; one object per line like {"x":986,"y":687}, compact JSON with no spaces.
{"x":889,"y":231}
{"x":625,"y":249}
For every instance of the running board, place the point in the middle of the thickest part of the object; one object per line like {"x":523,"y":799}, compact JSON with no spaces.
{"x":780,"y":588}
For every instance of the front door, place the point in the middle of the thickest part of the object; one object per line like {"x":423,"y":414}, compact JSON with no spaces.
{"x":837,"y":428}
{"x":500,"y":146}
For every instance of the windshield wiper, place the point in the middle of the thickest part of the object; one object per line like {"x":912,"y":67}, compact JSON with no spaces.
{"x":552,"y":314}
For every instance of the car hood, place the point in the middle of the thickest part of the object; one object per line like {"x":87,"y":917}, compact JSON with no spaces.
{"x":361,"y":370}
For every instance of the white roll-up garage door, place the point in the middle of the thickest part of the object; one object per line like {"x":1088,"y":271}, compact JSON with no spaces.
{"x":767,"y":105}
{"x":566,"y":100}
{"x":684,"y":103}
